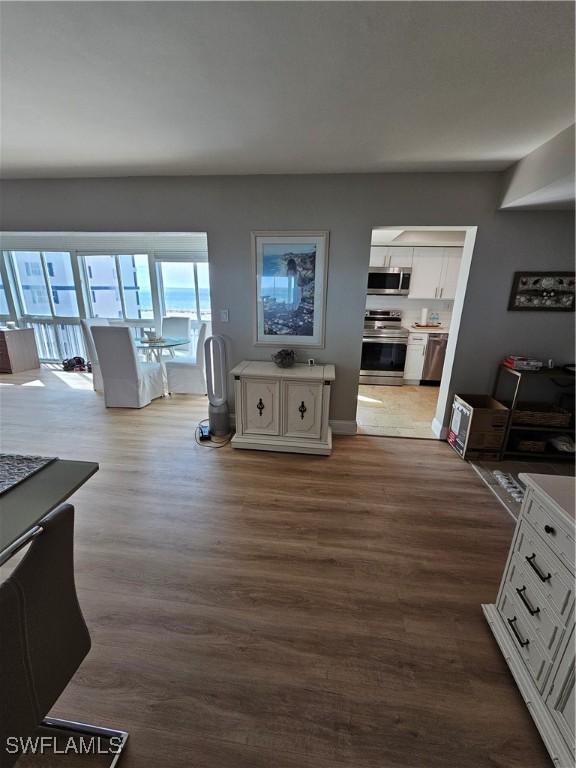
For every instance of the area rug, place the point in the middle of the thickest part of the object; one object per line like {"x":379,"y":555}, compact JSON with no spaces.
{"x":14,"y":469}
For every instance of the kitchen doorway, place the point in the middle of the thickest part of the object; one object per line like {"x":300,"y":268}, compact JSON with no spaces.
{"x":415,"y":293}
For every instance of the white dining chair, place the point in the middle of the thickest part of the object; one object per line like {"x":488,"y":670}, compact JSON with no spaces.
{"x":87,"y":326}
{"x":186,"y":375}
{"x":180,"y":328}
{"x":128,"y":383}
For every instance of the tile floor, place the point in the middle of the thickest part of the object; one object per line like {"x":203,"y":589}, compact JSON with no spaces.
{"x":396,"y":411}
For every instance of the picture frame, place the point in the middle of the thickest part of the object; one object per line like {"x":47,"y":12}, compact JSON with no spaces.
{"x":290,"y":280}
{"x":542,"y":291}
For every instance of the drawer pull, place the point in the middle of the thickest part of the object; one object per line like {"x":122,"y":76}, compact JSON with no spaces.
{"x":260,"y":406}
{"x":522,"y":643}
{"x":532,"y":563}
{"x":302,"y":410}
{"x":550,"y":529}
{"x":522,"y":596}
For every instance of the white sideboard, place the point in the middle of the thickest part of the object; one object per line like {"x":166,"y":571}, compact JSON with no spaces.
{"x":533,"y":618}
{"x":283,"y":409}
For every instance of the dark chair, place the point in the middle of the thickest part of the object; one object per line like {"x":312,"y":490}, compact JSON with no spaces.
{"x":43,"y":637}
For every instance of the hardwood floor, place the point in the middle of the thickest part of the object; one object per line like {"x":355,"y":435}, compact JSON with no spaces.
{"x":260,"y":610}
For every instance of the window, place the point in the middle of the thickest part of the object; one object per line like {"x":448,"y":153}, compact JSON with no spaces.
{"x":135,"y":276}
{"x":4,"y":309}
{"x":28,"y":266}
{"x":103,"y":284}
{"x":185,"y":289}
{"x":61,"y":280}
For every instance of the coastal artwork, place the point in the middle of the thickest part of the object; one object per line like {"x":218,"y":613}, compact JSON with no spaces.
{"x":542,"y":291}
{"x":290,"y":284}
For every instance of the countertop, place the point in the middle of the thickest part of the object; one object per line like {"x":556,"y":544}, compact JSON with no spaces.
{"x":558,"y":490}
{"x":411,"y":329}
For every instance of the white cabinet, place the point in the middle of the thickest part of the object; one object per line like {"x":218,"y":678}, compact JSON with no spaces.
{"x":434,"y":273}
{"x":390,"y":256}
{"x":427,"y":266}
{"x":533,"y":619}
{"x":303,"y":409}
{"x":415,"y":354}
{"x":283,"y":409}
{"x":449,"y":280}
{"x":260,"y":407}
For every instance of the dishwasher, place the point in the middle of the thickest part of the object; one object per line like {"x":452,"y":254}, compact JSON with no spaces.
{"x":434,"y":360}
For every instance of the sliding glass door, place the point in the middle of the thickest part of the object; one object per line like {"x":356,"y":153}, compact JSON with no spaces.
{"x":185,"y":289}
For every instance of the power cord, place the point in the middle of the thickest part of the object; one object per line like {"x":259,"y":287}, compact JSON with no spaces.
{"x":212,"y":443}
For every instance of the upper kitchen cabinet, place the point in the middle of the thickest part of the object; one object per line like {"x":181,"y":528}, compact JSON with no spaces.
{"x":434,"y":273}
{"x":452,"y":259}
{"x":390,"y":256}
{"x":427,"y":268}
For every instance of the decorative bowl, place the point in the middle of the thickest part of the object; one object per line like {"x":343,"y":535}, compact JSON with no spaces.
{"x":285,"y":358}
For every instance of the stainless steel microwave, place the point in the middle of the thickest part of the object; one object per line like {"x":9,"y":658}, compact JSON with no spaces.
{"x":389,"y":281}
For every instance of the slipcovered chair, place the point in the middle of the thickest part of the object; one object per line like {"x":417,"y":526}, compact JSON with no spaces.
{"x":43,"y":639}
{"x":178,"y":327}
{"x":186,"y":375}
{"x":91,"y":350}
{"x":128,"y":383}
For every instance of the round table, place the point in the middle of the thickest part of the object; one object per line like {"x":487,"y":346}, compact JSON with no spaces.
{"x":158,"y":345}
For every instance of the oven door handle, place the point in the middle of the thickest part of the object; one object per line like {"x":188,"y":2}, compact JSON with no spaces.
{"x":383,"y":340}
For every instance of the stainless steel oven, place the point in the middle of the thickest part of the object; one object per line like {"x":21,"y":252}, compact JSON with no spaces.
{"x":389,"y":281}
{"x":383,"y":348}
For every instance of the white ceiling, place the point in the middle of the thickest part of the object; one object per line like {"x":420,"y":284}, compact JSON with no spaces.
{"x":130,"y":88}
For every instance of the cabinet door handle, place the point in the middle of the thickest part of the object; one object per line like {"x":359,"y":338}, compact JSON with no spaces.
{"x":532,"y":563}
{"x":522,"y":596}
{"x":522,"y":643}
{"x":302,"y":410}
{"x":260,"y":405}
{"x":550,"y":529}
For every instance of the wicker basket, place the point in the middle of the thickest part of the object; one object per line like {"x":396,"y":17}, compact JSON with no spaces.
{"x":541,"y":415}
{"x":531,"y":446}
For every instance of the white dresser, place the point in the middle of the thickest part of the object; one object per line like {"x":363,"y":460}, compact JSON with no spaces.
{"x":283,"y":409}
{"x":533,"y":619}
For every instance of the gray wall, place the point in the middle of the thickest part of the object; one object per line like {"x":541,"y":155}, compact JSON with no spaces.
{"x":228,"y":208}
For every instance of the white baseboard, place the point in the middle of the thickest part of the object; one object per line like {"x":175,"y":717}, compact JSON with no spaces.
{"x":440,"y":431}
{"x":344,"y":427}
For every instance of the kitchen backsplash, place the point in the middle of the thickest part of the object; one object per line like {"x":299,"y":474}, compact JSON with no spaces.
{"x":411,"y":308}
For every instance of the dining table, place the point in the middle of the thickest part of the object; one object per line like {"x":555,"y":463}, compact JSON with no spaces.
{"x":155,"y":347}
{"x":23,"y":506}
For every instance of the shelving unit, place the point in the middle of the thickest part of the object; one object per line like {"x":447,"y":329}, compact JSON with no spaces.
{"x":557,"y":376}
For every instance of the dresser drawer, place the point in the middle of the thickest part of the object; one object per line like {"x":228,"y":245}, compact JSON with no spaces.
{"x":524,"y":639}
{"x":533,"y":608}
{"x":553,"y":533}
{"x":550,"y":573}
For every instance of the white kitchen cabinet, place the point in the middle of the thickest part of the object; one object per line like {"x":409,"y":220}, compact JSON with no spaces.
{"x":449,"y":281}
{"x":434,"y":273}
{"x":415,"y":354}
{"x":427,"y":268}
{"x":390,"y":256}
{"x":283,"y":409}
{"x":533,"y":618}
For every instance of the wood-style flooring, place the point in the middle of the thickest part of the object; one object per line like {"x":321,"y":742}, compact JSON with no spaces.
{"x":261,"y":610}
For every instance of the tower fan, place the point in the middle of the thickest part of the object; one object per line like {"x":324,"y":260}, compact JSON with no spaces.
{"x":216,"y":380}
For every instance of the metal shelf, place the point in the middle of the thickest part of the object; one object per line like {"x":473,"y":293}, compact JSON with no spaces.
{"x":528,"y":428}
{"x":558,"y":456}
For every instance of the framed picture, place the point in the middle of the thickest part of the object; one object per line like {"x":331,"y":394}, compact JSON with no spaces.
{"x":542,"y":292}
{"x":290,"y":273}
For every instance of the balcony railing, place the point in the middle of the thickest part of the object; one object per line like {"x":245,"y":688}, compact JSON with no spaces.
{"x":57,"y":340}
